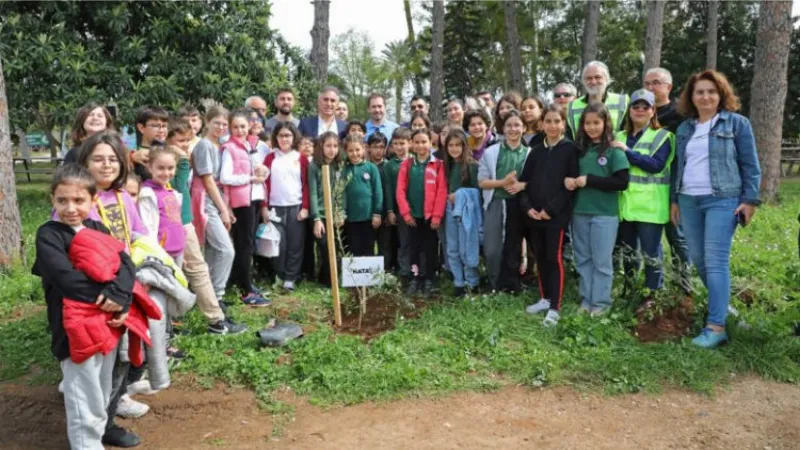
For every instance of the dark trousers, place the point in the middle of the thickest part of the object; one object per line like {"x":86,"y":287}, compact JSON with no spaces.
{"x":309,"y":266}
{"x":644,"y":237}
{"x":548,"y":246}
{"x":119,"y":386}
{"x":359,"y":238}
{"x":289,"y":262}
{"x":424,"y":243}
{"x":387,"y":247}
{"x":324,"y":261}
{"x":512,"y":245}
{"x":244,"y":241}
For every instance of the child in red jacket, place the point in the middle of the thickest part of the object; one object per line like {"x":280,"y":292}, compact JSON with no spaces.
{"x":421,"y":199}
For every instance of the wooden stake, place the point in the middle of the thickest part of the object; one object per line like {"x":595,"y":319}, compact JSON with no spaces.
{"x":329,"y":227}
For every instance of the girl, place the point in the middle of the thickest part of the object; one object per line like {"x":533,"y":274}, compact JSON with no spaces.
{"x":363,"y":197}
{"x":461,"y":171}
{"x":244,"y":189}
{"x":257,"y":127}
{"x":421,"y":197}
{"x":91,"y":119}
{"x":105,"y":157}
{"x":160,"y":205}
{"x":211,"y":215}
{"x":419,"y":121}
{"x":325,"y":153}
{"x":132,"y":186}
{"x":306,"y":148}
{"x":603,"y":173}
{"x":287,"y":195}
{"x":510,"y":101}
{"x":455,"y":112}
{"x":503,"y":230}
{"x":644,"y":206}
{"x":478,"y":124}
{"x":88,"y":385}
{"x":532,"y":108}
{"x":547,"y":206}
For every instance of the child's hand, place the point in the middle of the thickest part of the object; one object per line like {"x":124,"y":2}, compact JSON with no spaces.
{"x":319,"y":228}
{"x":226,"y":219}
{"x":511,"y":178}
{"x":118,"y":320}
{"x":452,"y":199}
{"x":302,"y":215}
{"x":580,"y":181}
{"x":544,"y":216}
{"x":533,"y":214}
{"x":376,"y":221}
{"x":411,"y":222}
{"x":392,"y":218}
{"x":141,"y":156}
{"x":435,"y":225}
{"x":265,"y":215}
{"x":106,"y":304}
{"x":570,"y":184}
{"x":515,"y":188}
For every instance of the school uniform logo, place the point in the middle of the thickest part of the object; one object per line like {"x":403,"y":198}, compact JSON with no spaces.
{"x":366,"y":176}
{"x":602,"y":161}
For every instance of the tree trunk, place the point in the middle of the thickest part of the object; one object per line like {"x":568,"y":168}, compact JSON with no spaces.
{"x":512,"y":42}
{"x":412,"y":44}
{"x":711,"y":34}
{"x":654,"y":33}
{"x":591,"y":26}
{"x":398,"y":100}
{"x":437,"y":61}
{"x":320,"y":33}
{"x":10,"y":226}
{"x":535,"y":56}
{"x":768,"y":91}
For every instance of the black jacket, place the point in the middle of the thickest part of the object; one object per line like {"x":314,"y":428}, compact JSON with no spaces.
{"x":544,"y":173}
{"x":60,"y":279}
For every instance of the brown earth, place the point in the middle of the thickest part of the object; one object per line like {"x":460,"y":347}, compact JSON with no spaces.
{"x":671,"y":324}
{"x":751,"y":414}
{"x":382,"y":312}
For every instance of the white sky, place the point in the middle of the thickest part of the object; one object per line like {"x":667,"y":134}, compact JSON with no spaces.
{"x":383,"y":20}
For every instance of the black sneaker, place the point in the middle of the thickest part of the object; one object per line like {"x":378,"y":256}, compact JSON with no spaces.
{"x":413,"y":287}
{"x":427,"y":291}
{"x":226,"y":326}
{"x":116,"y":436}
{"x":175,"y":353}
{"x":459,"y":292}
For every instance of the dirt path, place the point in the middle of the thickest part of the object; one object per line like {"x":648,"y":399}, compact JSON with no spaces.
{"x":752,"y":414}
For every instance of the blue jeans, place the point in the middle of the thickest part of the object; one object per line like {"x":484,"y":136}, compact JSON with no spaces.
{"x":647,"y":238}
{"x":593,"y":239}
{"x":709,"y":224}
{"x":461,"y":273}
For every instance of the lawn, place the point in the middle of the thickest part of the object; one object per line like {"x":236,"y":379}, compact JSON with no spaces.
{"x":460,"y":345}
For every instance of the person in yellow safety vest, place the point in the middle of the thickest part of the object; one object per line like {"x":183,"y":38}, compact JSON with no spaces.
{"x":596,"y":78}
{"x":644,"y":206}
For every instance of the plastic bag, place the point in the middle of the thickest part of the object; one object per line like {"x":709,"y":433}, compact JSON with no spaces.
{"x":277,"y":334}
{"x":268,"y":240}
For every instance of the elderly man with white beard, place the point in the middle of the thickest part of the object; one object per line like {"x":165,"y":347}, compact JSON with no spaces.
{"x":596,"y":78}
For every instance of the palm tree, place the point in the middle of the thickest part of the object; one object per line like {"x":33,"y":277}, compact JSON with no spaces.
{"x":396,"y":57}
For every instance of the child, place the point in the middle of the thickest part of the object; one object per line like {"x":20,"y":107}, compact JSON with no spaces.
{"x":306,"y":148}
{"x":180,"y":137}
{"x":355,"y":127}
{"x":462,"y":175}
{"x":503,"y":229}
{"x":244,"y":190}
{"x":211,"y":215}
{"x":160,"y":205}
{"x":363,"y":197}
{"x":151,"y":127}
{"x":532,"y":109}
{"x":547,"y":205}
{"x":87,"y":386}
{"x":401,"y":141}
{"x":287,"y":196}
{"x":603,"y":174}
{"x":105,"y":157}
{"x":421,"y":198}
{"x":132,"y":186}
{"x":192,"y":115}
{"x":377,"y":148}
{"x":325,"y":153}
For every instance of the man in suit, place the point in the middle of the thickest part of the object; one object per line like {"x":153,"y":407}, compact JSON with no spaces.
{"x":325,"y":120}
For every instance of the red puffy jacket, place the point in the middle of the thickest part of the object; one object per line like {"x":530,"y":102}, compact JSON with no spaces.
{"x":97,"y":255}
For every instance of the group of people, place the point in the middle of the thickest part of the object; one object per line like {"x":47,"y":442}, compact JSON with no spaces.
{"x":493,"y":183}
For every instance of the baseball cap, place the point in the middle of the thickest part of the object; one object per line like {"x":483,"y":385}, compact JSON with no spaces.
{"x":643,"y":95}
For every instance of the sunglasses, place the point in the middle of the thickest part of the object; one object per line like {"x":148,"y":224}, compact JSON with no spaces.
{"x":562,"y":94}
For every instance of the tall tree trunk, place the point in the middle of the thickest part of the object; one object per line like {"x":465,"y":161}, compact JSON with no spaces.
{"x":437,"y":60}
{"x":654,"y":33}
{"x":535,"y":56}
{"x":712,"y":25}
{"x":591,"y":26}
{"x":512,"y":42}
{"x":412,"y":44}
{"x":320,"y":34}
{"x":768,"y":91}
{"x":10,"y":226}
{"x":398,"y":100}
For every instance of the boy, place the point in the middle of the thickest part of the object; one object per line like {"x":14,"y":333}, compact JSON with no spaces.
{"x":192,"y":114}
{"x":401,"y":145}
{"x":152,"y":123}
{"x":376,"y":150}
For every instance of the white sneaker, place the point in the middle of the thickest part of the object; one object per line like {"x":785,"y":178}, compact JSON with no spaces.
{"x":141,"y":387}
{"x":551,"y":319}
{"x":61,"y":387}
{"x":538,"y":307}
{"x":130,"y":408}
{"x":288,"y":285}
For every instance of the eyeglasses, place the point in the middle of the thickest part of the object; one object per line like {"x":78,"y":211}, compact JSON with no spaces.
{"x":255,"y":120}
{"x":157,"y":126}
{"x":654,"y":83}
{"x":419,"y":107}
{"x":562,"y":94}
{"x":640,"y":106}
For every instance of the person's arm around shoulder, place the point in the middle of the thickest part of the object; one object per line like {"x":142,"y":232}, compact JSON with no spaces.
{"x":57,"y":269}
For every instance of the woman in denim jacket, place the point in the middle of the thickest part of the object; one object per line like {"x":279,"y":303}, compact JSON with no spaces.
{"x":715,"y":185}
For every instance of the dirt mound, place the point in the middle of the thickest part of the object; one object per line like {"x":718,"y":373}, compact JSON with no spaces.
{"x":383,"y":310}
{"x":674,"y":323}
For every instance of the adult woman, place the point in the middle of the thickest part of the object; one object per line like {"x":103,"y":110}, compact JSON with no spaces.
{"x":644,"y":205}
{"x":477,"y":123}
{"x":511,"y":100}
{"x":715,"y":186}
{"x":91,"y":119}
{"x":531,"y":110}
{"x":455,"y":112}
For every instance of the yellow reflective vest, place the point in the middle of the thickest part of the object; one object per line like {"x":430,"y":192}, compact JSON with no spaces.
{"x":647,"y":196}
{"x":617,"y":105}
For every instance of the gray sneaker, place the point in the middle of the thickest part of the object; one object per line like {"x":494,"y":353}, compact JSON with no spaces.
{"x":599,"y":311}
{"x":538,"y":307}
{"x":551,"y":319}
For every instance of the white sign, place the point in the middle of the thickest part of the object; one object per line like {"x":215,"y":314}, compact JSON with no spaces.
{"x":362,"y":271}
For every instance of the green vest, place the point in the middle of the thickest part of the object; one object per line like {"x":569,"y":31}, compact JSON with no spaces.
{"x":616,"y":104}
{"x":647,"y":196}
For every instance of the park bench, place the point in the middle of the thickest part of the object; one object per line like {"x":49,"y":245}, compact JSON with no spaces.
{"x":790,"y":155}
{"x":37,"y":165}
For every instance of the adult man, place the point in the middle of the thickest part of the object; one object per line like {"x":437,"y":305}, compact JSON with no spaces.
{"x":564,"y":93}
{"x":257,"y":104}
{"x":596,"y":79}
{"x":376,"y":104}
{"x":325,"y":120}
{"x":659,"y":81}
{"x":342,"y":111}
{"x":417,"y":104}
{"x":487,"y":98}
{"x":284,"y":104}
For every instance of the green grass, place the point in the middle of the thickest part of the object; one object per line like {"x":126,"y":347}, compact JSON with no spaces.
{"x":481,"y":345}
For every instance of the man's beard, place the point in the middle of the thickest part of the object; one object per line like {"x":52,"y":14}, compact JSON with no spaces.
{"x":285,"y":110}
{"x":597,"y":90}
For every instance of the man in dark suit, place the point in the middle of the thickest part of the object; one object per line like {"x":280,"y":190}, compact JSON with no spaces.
{"x":325,"y":120}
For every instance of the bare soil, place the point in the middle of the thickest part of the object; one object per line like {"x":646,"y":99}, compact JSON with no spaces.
{"x":672,"y":324}
{"x":382,"y":313}
{"x":751,"y":414}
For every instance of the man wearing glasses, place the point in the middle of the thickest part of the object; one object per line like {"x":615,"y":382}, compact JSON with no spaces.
{"x":418,"y":104}
{"x":596,"y":79}
{"x":257,"y":104}
{"x":564,"y":93}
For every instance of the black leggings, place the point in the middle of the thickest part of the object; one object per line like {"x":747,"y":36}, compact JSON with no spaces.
{"x":359,"y":238}
{"x":243,"y":231}
{"x":548,"y":244}
{"x":424,"y":242}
